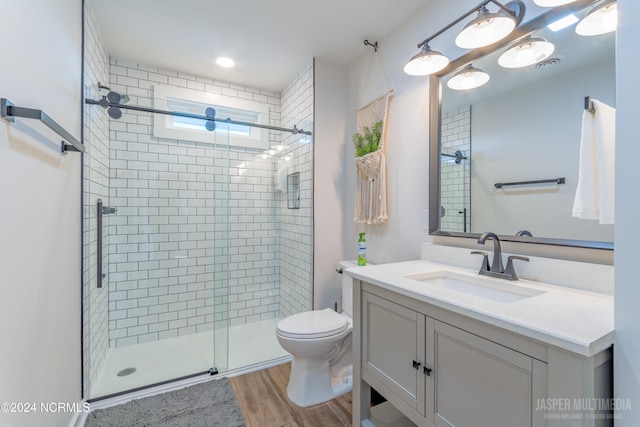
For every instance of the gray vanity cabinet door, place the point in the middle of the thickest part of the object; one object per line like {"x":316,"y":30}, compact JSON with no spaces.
{"x":393,"y":344}
{"x":479,"y":383}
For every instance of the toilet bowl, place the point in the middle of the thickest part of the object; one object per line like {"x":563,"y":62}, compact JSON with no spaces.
{"x":320,"y":343}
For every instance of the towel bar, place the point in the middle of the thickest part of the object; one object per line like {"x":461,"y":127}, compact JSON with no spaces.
{"x":8,"y":111}
{"x":540,"y":181}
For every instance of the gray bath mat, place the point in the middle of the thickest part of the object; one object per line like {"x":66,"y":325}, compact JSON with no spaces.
{"x":212,"y":403}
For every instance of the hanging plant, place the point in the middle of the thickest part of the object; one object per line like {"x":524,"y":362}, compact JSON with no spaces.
{"x":368,"y":141}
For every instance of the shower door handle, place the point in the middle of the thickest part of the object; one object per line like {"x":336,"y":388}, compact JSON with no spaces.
{"x":99,"y":242}
{"x":100,"y":211}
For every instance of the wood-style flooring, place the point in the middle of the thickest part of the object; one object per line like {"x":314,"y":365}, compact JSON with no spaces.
{"x":263,"y":398}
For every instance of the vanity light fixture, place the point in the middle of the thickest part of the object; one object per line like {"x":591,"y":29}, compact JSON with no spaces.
{"x":469,"y":77}
{"x":601,"y":20}
{"x":487,"y":28}
{"x":426,"y":62}
{"x":552,"y":3}
{"x":527,"y":51}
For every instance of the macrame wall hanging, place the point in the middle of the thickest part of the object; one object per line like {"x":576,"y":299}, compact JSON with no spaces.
{"x":369,"y":142}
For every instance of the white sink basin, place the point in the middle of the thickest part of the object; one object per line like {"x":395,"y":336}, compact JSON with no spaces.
{"x":478,"y":286}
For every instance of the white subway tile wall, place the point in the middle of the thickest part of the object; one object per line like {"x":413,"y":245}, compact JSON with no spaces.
{"x":296,"y":233}
{"x":200,"y":233}
{"x":456,"y":178}
{"x":96,"y":186}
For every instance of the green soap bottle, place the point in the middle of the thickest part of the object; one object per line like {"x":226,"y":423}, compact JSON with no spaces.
{"x":362,"y":250}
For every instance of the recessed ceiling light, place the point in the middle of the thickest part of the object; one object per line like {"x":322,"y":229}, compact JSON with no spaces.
{"x":225,"y":62}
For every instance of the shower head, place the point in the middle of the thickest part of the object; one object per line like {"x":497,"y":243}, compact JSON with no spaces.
{"x":114,"y":112}
{"x":116,"y":98}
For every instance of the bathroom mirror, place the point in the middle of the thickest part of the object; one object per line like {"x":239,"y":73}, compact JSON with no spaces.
{"x":523,"y":125}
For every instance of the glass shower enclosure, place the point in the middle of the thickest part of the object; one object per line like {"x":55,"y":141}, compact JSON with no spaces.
{"x":192,"y":248}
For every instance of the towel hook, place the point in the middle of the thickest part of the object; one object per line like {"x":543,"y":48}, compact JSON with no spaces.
{"x":373,"y":45}
{"x":588,"y":105}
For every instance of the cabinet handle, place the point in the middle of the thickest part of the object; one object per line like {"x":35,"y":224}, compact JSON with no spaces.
{"x":427,"y":371}
{"x":416,"y":365}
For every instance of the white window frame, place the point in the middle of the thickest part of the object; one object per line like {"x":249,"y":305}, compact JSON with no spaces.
{"x":163,"y":124}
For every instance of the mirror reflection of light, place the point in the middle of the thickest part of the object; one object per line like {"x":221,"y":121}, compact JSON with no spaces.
{"x":527,"y":52}
{"x":552,"y":3}
{"x":562,"y":23}
{"x":601,"y":20}
{"x":468,"y":78}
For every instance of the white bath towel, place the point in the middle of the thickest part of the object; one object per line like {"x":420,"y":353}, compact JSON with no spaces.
{"x":596,"y":179}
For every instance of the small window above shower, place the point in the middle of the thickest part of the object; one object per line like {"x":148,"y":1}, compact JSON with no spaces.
{"x":190,"y":129}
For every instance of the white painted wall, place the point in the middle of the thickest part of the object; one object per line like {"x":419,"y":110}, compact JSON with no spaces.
{"x":40,"y":211}
{"x":627,"y":233}
{"x":329,"y":127}
{"x":406,"y":140}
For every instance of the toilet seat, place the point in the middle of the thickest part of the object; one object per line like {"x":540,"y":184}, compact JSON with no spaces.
{"x":312,"y":324}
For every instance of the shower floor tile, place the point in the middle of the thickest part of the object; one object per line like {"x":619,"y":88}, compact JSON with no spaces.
{"x":157,"y":361}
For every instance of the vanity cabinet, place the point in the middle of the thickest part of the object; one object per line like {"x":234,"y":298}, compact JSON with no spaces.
{"x":442,"y":369}
{"x":480,"y":383}
{"x":444,"y":374}
{"x":393,"y":349}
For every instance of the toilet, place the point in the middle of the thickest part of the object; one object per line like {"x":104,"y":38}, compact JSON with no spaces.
{"x":320,"y":343}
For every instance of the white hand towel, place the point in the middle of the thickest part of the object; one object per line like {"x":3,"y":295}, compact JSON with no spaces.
{"x":596,"y":179}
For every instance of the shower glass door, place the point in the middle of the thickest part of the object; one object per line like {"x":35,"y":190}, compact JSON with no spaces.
{"x":161,"y":311}
{"x":200,"y":251}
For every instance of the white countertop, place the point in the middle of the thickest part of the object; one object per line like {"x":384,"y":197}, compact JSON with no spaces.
{"x":574,"y":320}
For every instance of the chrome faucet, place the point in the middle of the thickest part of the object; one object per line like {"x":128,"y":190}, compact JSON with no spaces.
{"x":497,"y":268}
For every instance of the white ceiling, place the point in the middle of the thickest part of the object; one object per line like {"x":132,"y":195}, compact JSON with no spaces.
{"x":270,"y":40}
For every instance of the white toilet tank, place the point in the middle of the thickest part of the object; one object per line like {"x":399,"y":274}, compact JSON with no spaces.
{"x":347,"y":288}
